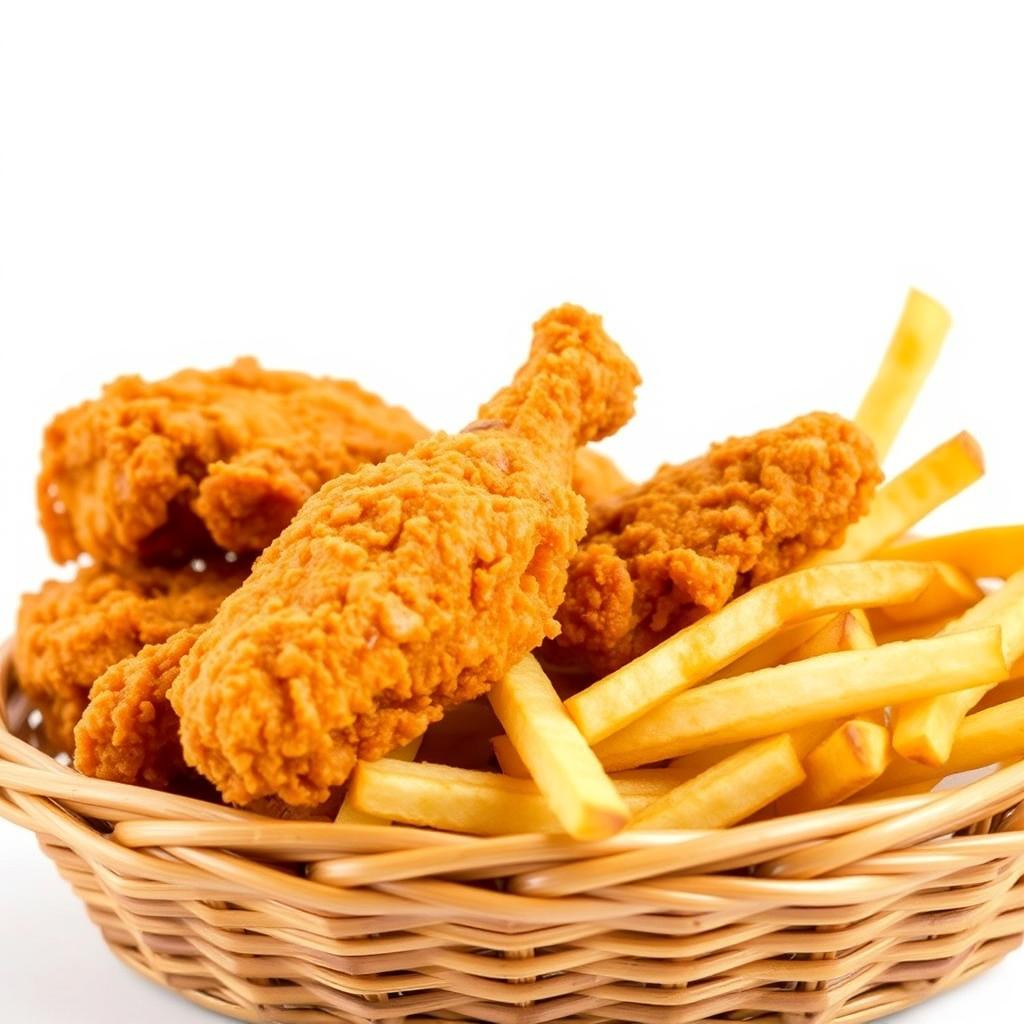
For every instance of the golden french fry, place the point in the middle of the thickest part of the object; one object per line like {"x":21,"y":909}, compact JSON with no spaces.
{"x":557,"y":756}
{"x":1012,"y":689}
{"x":911,"y":354}
{"x":908,"y":498}
{"x":458,"y":799}
{"x":714,"y":641}
{"x":732,"y":790}
{"x":347,"y":813}
{"x":790,"y":696}
{"x":887,"y":631}
{"x":847,"y":631}
{"x":853,"y":756}
{"x":925,"y":729}
{"x":992,"y":736}
{"x":509,"y":761}
{"x":951,"y":592}
{"x":991,"y":552}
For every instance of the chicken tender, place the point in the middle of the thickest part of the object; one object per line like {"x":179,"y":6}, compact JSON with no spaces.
{"x":164,"y":470}
{"x":662,"y":554}
{"x":69,"y":633}
{"x":129,"y":731}
{"x":404,"y":588}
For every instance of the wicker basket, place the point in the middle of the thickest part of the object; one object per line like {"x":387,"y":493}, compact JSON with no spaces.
{"x":841,"y":915}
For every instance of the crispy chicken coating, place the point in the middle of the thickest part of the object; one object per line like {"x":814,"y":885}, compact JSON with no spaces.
{"x":406,"y":587}
{"x":70,"y":633}
{"x":595,"y":477}
{"x":695,"y":535}
{"x":160,"y":471}
{"x":129,"y":731}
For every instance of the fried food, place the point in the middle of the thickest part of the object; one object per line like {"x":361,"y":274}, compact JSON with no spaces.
{"x":129,"y":731}
{"x":596,"y":478}
{"x":162,"y":470}
{"x":70,"y":633}
{"x":698,"y":534}
{"x":405,"y":587}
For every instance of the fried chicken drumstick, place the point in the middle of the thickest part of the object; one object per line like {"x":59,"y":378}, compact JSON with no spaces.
{"x":406,"y":587}
{"x":658,"y":556}
{"x":70,"y":633}
{"x":162,"y":470}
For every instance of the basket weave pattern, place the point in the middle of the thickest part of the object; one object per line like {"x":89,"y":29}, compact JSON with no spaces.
{"x":842,"y":915}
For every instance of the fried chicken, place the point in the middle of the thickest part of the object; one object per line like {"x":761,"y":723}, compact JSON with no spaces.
{"x":163,"y":470}
{"x":698,"y":534}
{"x":70,"y":633}
{"x":595,"y":477}
{"x":129,"y":731}
{"x":406,"y":587}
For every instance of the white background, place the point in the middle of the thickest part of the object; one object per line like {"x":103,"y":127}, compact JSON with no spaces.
{"x":394,"y":192}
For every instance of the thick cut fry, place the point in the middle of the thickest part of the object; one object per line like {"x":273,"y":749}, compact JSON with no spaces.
{"x":509,"y":761}
{"x":557,"y":756}
{"x":887,"y":632}
{"x":732,"y":790}
{"x":847,"y":631}
{"x":790,"y":696}
{"x":991,"y":552}
{"x":852,"y":757}
{"x":911,"y":354}
{"x":714,"y":641}
{"x":951,"y":592}
{"x":458,"y":799}
{"x":925,"y":729}
{"x":992,"y":736}
{"x":347,"y":813}
{"x":908,"y":498}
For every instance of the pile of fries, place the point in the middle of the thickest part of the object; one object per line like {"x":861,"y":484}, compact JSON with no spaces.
{"x":877,"y":668}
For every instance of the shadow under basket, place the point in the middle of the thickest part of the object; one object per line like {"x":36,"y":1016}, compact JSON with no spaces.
{"x":843,"y":915}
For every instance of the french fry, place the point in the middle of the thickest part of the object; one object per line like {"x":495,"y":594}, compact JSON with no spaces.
{"x":950,"y":593}
{"x":347,"y":813}
{"x":458,"y":799}
{"x":908,"y":498}
{"x":805,"y":640}
{"x":887,"y":632}
{"x":847,"y":631}
{"x":557,"y":756}
{"x":911,"y":354}
{"x":853,"y":756}
{"x":785,"y":698}
{"x":992,"y":736}
{"x":991,"y":552}
{"x":509,"y":761}
{"x":729,"y":792}
{"x":924,"y":730}
{"x":695,"y":653}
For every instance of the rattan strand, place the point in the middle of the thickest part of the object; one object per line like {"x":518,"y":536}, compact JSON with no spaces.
{"x":845,"y":915}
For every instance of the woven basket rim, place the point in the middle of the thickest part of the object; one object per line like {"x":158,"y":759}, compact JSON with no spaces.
{"x":797,"y":848}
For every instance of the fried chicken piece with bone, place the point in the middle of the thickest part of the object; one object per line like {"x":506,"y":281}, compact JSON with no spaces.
{"x":162,"y":470}
{"x":71,"y":632}
{"x":695,"y":535}
{"x":406,"y":587}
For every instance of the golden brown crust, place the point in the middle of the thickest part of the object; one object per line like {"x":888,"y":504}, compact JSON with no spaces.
{"x":682,"y":544}
{"x":129,"y":731}
{"x":161,"y":470}
{"x":406,"y":587}
{"x":596,"y":478}
{"x":69,"y":633}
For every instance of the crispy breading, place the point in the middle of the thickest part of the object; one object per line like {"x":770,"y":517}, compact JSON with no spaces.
{"x":129,"y":731}
{"x":695,"y":535}
{"x":595,"y":477}
{"x":406,"y":587}
{"x":163,"y":470}
{"x":69,"y":633}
